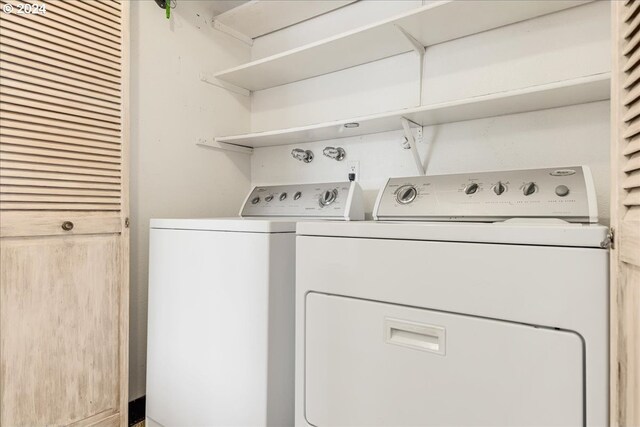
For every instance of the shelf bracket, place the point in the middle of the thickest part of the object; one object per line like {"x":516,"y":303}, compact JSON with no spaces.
{"x":420,"y":50}
{"x":231,"y":32}
{"x":228,"y":86}
{"x":225,"y":146}
{"x":412,"y":144}
{"x":417,"y":46}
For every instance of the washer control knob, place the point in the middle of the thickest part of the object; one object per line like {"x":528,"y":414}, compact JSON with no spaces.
{"x":268,"y":198}
{"x":255,"y":200}
{"x":297,"y":195}
{"x":471,"y":188}
{"x":529,"y":188}
{"x":328,"y":197}
{"x":283,"y":196}
{"x":406,"y":194}
{"x":499,"y":188}
{"x":562,"y":190}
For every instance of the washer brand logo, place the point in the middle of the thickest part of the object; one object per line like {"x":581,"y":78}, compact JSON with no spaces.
{"x":563,"y":172}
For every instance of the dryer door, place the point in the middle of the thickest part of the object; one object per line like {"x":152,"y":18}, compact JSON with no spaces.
{"x":370,"y":363}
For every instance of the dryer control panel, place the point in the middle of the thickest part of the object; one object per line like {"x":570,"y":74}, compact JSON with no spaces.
{"x":333,"y":200}
{"x":565,"y":193}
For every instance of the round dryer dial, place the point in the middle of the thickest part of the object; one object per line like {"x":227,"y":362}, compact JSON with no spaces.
{"x":328,"y":197}
{"x":471,"y":188}
{"x":529,"y":188}
{"x":499,"y":188}
{"x":406,"y":194}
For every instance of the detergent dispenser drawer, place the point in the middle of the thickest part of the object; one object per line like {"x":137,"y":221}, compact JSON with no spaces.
{"x":377,"y":364}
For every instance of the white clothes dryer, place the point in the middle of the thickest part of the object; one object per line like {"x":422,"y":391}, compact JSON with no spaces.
{"x":474,"y":300}
{"x":220,"y":349}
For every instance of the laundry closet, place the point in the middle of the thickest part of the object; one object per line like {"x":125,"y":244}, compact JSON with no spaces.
{"x":415,"y":190}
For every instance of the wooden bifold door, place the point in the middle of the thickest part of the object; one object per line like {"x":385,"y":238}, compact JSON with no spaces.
{"x":63,"y":213}
{"x":625,"y":215}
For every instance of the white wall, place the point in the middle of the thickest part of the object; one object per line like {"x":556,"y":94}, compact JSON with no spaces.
{"x":170,"y":108}
{"x":557,"y":137}
{"x":550,"y":48}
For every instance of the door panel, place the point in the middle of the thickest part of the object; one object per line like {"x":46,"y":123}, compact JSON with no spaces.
{"x":63,"y":146}
{"x":64,"y":133}
{"x":220,"y":328}
{"x":625,"y":214}
{"x":59,"y":311}
{"x":204,"y":295}
{"x":370,"y":363}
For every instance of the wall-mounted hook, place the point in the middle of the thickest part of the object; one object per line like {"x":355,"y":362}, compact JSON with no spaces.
{"x":335,"y":153}
{"x":302,"y":155}
{"x":167,"y":5}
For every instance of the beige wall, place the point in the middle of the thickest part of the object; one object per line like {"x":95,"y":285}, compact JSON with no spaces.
{"x":170,"y":109}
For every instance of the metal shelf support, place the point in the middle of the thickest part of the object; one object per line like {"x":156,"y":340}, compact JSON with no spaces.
{"x":420,"y":50}
{"x":231,"y":32}
{"x":212,"y":143}
{"x":224,"y":85}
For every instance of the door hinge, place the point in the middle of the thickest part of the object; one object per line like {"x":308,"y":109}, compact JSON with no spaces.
{"x":126,"y":222}
{"x":609,"y":241}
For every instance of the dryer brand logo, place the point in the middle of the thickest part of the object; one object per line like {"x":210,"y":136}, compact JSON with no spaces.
{"x":562,"y":172}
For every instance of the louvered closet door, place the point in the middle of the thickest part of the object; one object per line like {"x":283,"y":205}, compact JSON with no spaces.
{"x":61,"y":116}
{"x":63,"y":209}
{"x":625,"y":215}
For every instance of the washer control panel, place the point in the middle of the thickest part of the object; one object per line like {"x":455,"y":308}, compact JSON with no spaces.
{"x":564,"y":193}
{"x":337,"y":200}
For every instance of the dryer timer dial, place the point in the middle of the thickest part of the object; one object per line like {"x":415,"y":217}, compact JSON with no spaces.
{"x":328,"y":197}
{"x":406,"y":194}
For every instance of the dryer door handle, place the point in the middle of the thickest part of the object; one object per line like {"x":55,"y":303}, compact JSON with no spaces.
{"x":419,"y":336}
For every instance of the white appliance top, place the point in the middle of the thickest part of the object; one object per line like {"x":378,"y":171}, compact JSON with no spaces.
{"x":567,"y":193}
{"x":518,"y":232}
{"x":248,"y":225}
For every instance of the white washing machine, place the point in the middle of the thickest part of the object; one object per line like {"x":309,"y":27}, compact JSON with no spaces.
{"x":475,"y":300}
{"x":220,"y":348}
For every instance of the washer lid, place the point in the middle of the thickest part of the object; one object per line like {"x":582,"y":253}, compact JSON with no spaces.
{"x":519,"y":232}
{"x":249,"y":225}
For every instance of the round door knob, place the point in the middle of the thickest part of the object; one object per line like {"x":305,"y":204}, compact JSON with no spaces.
{"x":529,"y":188}
{"x":283,"y":196}
{"x":255,"y":200}
{"x":328,"y":197}
{"x":67,"y":226}
{"x":471,"y":188}
{"x":562,"y":190}
{"x":268,"y":198}
{"x":499,"y":188}
{"x":406,"y":194}
{"x":297,"y":195}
